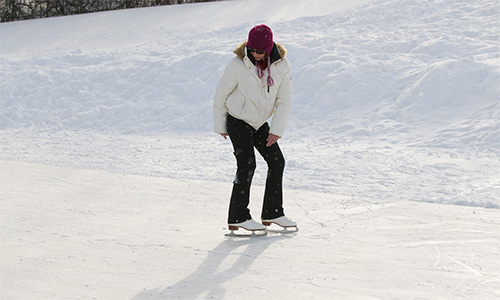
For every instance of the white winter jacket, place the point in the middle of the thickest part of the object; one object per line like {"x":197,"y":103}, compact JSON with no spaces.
{"x":245,"y":96}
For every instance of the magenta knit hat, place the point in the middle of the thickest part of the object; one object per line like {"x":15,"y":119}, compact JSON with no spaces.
{"x":261,"y":38}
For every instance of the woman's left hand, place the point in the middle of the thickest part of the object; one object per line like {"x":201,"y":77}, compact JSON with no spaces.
{"x":272,"y":139}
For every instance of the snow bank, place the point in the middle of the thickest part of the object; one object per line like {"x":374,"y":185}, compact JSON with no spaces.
{"x":388,"y":68}
{"x":395,"y":85}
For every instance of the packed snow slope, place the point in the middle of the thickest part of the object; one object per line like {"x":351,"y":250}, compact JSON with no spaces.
{"x":419,"y":72}
{"x":393,"y":100}
{"x":113,"y":185}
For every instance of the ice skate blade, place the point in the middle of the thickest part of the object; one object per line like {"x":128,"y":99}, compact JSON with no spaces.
{"x":277,"y":228}
{"x":284,"y":230}
{"x":247,"y":234}
{"x":268,"y":223}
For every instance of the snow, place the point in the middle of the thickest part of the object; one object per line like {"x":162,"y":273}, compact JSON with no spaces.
{"x":72,"y":233}
{"x":113,"y":185}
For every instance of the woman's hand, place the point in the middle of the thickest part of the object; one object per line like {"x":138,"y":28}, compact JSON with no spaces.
{"x":272,"y":139}
{"x":224,"y":135}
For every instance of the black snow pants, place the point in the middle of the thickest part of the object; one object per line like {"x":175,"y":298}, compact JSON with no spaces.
{"x":244,"y":138}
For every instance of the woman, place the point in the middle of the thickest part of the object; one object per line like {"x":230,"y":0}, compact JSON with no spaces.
{"x":256,"y":85}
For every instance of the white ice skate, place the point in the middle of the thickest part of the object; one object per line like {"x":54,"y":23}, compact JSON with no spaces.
{"x":254,"y":228}
{"x":285,"y":223}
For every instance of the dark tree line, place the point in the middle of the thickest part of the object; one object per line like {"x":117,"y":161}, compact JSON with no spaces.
{"x":14,"y":10}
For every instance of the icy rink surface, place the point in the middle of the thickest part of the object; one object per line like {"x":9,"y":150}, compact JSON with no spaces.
{"x":87,"y":234}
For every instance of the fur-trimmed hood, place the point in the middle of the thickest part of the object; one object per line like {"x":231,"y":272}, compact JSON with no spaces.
{"x":278,"y":52}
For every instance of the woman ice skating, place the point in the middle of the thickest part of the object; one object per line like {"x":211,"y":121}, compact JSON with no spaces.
{"x":256,"y":85}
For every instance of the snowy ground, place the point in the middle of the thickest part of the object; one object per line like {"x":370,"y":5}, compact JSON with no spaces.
{"x":113,"y":185}
{"x":87,"y":234}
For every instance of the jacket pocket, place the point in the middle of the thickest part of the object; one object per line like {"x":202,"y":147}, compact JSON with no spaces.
{"x":250,"y":111}
{"x":235,"y":105}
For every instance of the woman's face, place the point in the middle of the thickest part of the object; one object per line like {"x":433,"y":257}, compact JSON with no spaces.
{"x":258,"y":57}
